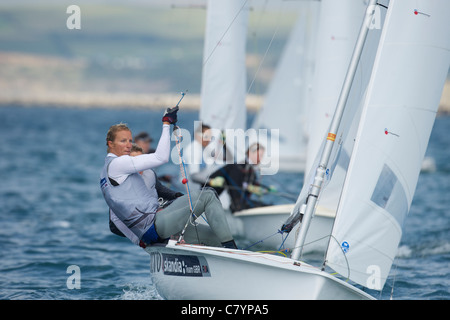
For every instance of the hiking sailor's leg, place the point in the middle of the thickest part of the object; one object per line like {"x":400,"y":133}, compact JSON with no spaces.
{"x":215,"y":215}
{"x":172,"y":219}
{"x":201,"y":234}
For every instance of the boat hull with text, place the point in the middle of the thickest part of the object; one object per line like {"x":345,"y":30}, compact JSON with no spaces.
{"x":181,"y":271}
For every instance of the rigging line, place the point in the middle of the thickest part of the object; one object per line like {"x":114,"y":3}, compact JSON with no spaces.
{"x":183,"y":167}
{"x":255,"y":75}
{"x":273,"y":193}
{"x":223,"y":35}
{"x":267,"y":49}
{"x":345,"y":256}
{"x":262,"y":240}
{"x":244,"y":198}
{"x":382,"y":5}
{"x":183,"y":174}
{"x":393,"y":280}
{"x":220,"y":152}
{"x":185,"y":180}
{"x":273,"y":251}
{"x":311,"y":242}
{"x":262,"y":60}
{"x":282,"y":243}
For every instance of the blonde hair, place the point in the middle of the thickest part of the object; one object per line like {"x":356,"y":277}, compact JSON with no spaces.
{"x":111,"y":135}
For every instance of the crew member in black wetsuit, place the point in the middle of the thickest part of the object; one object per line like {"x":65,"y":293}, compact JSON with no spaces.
{"x":240,"y":180}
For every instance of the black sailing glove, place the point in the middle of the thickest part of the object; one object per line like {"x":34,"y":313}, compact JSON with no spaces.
{"x":170,"y":115}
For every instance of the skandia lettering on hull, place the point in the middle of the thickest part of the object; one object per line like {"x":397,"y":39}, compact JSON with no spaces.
{"x":173,"y":266}
{"x":180,"y":265}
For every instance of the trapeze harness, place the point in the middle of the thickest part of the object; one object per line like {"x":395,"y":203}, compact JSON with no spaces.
{"x":133,"y":203}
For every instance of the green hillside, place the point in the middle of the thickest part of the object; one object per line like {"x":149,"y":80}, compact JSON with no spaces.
{"x":121,"y":48}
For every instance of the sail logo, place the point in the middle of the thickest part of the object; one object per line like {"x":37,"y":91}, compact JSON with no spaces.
{"x":345,"y":246}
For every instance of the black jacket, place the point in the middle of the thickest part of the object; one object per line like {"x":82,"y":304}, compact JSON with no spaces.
{"x":237,"y":177}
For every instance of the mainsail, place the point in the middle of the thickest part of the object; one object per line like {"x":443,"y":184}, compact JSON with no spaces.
{"x":287,"y":98}
{"x":398,"y":115}
{"x":340,"y":155}
{"x":339,"y":24}
{"x":224,"y":79}
{"x":337,"y":44}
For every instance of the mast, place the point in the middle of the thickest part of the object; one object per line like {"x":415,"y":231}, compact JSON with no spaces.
{"x":325,"y":157}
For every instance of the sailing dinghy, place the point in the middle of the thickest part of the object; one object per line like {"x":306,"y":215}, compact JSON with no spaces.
{"x":398,"y":112}
{"x":260,"y":226}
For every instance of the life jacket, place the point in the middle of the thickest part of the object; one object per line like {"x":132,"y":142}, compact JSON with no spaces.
{"x":131,"y":201}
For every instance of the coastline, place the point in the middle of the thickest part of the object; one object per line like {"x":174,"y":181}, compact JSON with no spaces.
{"x":117,"y":100}
{"x":121,"y":100}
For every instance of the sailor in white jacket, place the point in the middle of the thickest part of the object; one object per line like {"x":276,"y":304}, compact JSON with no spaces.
{"x":137,"y":206}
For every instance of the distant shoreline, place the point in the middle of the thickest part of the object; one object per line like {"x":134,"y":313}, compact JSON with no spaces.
{"x":122,"y":100}
{"x":112,"y":100}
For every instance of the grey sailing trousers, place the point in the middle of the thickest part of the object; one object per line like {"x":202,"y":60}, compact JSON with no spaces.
{"x":172,"y":219}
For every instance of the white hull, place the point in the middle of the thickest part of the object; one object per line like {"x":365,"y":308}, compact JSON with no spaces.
{"x":199,"y":272}
{"x":259,"y":223}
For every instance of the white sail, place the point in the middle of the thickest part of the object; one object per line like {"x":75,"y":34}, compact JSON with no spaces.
{"x":326,"y":103}
{"x":223,"y":89}
{"x":398,"y":114}
{"x":325,"y":95}
{"x":288,"y":95}
{"x":337,"y":32}
{"x":338,"y":29}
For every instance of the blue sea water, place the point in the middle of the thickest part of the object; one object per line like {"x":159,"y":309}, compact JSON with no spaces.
{"x":53,"y":216}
